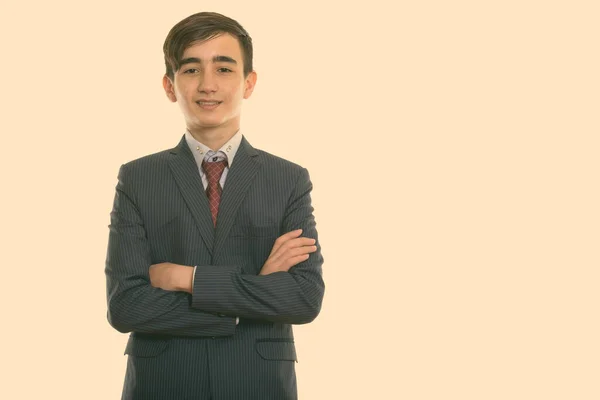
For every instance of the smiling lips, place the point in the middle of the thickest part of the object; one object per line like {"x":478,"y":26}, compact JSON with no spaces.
{"x":208,"y":104}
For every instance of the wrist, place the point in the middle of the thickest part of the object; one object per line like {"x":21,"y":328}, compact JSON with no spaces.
{"x":184,"y":278}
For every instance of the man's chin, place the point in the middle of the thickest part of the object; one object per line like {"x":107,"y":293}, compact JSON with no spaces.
{"x":208,"y":124}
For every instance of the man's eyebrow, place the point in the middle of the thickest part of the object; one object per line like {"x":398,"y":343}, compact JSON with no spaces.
{"x":226,"y":59}
{"x":195,"y":60}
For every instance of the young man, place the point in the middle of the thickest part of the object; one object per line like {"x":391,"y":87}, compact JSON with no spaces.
{"x":213,"y":252}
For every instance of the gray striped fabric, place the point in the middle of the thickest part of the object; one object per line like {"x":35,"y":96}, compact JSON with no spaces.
{"x":186,"y":346}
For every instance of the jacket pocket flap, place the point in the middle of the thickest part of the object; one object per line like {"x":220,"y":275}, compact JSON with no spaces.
{"x":254,"y":231}
{"x":139,"y":347}
{"x":276,"y":349}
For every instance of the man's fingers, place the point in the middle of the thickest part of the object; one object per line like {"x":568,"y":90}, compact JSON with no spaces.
{"x":289,"y":235}
{"x":297,"y":242}
{"x":302,"y":241}
{"x":290,"y":249}
{"x":284,"y":238}
{"x":291,"y":245}
{"x":298,"y":254}
{"x":297,"y":251}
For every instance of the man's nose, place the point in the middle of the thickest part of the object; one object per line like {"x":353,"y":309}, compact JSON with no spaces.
{"x":208,"y":82}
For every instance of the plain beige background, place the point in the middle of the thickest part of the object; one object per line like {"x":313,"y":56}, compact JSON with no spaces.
{"x":453,"y":148}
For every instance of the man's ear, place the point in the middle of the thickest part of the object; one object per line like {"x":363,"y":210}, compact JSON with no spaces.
{"x":249,"y":83}
{"x":169,"y":89}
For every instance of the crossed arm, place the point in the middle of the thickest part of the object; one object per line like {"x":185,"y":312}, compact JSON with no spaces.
{"x":152,"y":298}
{"x":288,"y":250}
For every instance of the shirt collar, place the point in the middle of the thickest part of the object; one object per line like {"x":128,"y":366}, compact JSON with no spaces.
{"x":199,"y":149}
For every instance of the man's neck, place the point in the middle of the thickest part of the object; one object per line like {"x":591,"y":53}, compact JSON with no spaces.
{"x":213,"y":139}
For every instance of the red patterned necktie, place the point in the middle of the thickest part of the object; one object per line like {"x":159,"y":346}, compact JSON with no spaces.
{"x":213,"y":171}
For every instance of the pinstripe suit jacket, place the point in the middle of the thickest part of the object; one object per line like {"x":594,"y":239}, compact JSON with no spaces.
{"x":186,"y":346}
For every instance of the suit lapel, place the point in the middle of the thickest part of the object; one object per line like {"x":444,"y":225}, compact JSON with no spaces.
{"x":185,"y":170}
{"x":239,"y":179}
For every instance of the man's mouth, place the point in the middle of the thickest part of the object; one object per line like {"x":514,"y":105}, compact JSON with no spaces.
{"x":208,"y":104}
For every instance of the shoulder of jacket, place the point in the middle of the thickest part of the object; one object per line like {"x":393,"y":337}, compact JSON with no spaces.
{"x":147,"y":161}
{"x":278,"y":161}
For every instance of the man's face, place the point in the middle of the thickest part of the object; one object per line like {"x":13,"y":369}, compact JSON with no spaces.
{"x":210,"y":85}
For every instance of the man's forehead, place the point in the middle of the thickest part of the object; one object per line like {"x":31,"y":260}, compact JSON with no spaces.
{"x":221,"y":45}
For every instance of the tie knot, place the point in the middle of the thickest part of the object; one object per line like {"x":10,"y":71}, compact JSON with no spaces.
{"x":214,"y":170}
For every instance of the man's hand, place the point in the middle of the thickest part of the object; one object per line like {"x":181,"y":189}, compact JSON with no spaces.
{"x":174,"y":277}
{"x":289,"y":249}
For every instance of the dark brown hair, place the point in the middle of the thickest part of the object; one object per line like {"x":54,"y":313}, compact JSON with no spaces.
{"x":200,"y":27}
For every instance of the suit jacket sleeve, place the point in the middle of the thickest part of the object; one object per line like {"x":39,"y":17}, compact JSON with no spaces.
{"x":133,"y":304}
{"x":293,"y":297}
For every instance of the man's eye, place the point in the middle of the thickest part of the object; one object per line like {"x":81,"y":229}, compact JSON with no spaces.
{"x":224,"y":70}
{"x":190,"y":71}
